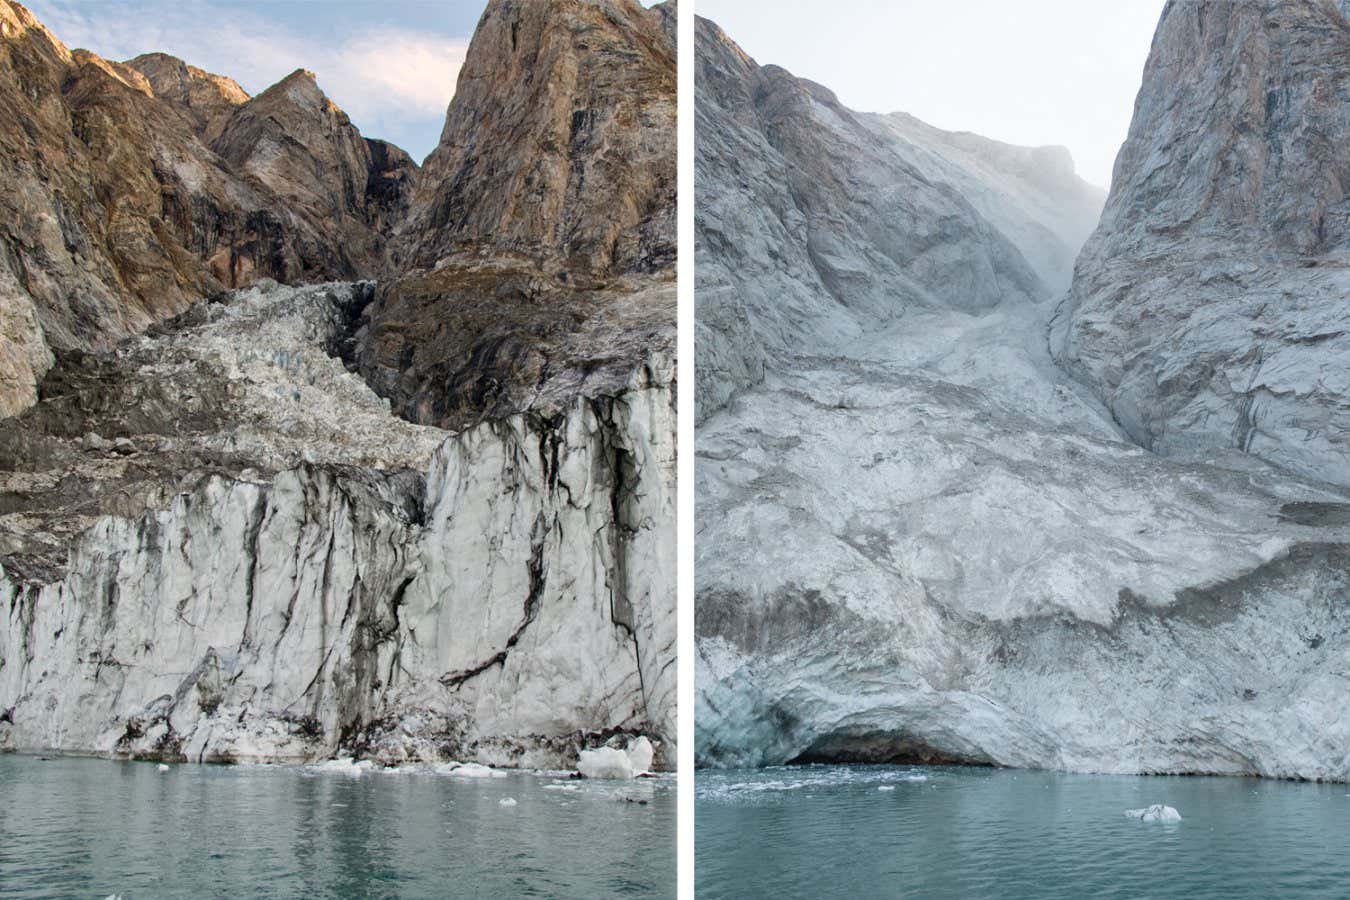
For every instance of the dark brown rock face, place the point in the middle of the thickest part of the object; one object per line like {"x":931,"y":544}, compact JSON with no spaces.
{"x":537,"y":260}
{"x":117,"y":214}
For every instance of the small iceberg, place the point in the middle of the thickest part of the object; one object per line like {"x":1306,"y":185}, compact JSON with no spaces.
{"x":1155,"y":813}
{"x":162,"y":767}
{"x":605,"y":762}
{"x":507,"y":801}
{"x":885,"y":787}
{"x":610,"y":762}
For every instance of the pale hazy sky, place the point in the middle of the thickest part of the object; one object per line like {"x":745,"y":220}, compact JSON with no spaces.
{"x":1023,"y":71}
{"x":390,"y":64}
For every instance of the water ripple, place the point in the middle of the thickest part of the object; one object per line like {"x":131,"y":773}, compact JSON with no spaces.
{"x":826,"y":831}
{"x":85,"y":827}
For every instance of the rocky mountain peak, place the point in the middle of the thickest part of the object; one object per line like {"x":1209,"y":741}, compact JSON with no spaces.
{"x":133,"y":189}
{"x":117,"y":71}
{"x":17,"y":22}
{"x":536,"y":262}
{"x":208,"y":97}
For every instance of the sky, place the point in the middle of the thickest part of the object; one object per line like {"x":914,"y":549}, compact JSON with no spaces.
{"x":390,"y":64}
{"x":1023,"y":71}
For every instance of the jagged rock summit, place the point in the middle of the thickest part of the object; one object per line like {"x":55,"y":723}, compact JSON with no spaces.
{"x":424,"y":517}
{"x":209,"y":98}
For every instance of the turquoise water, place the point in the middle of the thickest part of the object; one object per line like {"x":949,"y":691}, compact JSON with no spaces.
{"x":92,"y":828}
{"x":828,"y":831}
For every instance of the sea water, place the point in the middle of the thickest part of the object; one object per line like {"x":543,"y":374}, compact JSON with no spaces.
{"x":886,"y":831}
{"x":72,"y":827}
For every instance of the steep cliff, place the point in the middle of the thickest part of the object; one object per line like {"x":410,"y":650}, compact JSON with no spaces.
{"x":1207,"y":309}
{"x":232,"y":536}
{"x":928,"y":542}
{"x":536,"y":263}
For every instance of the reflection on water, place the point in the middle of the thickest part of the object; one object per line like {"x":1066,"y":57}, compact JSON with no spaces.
{"x":887,"y":831}
{"x":85,"y":827}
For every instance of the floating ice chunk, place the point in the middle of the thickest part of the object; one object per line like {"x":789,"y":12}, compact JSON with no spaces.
{"x":1155,"y":813}
{"x":343,"y":766}
{"x":161,"y":767}
{"x":605,"y":762}
{"x":640,"y":755}
{"x":507,"y":801}
{"x":916,"y":777}
{"x":469,"y":770}
{"x":562,"y":787}
{"x":886,"y":787}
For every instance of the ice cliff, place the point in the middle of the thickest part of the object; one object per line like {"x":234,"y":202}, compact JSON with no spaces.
{"x":921,"y":538}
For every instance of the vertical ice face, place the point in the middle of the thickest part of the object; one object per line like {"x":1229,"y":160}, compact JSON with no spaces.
{"x":502,"y":594}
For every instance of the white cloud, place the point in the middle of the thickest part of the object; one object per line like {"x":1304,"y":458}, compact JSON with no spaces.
{"x":414,"y":72}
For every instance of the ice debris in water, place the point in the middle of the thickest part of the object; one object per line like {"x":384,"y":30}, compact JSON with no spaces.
{"x":885,"y":787}
{"x":469,"y":770}
{"x":1155,"y":813}
{"x":343,"y":766}
{"x":507,"y":801}
{"x":162,"y":767}
{"x":609,"y":762}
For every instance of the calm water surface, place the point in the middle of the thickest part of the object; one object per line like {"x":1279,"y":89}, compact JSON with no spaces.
{"x":830,"y":831}
{"x":91,"y":828}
